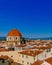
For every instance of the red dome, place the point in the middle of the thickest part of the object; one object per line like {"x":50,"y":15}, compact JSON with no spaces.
{"x":14,"y":32}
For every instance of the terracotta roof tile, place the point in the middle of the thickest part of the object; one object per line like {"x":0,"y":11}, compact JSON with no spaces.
{"x":49,"y":60}
{"x":3,"y":49}
{"x":14,"y":32}
{"x":30,"y":52}
{"x":38,"y":62}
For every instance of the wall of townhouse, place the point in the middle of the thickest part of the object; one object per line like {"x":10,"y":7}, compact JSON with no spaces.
{"x":12,"y":54}
{"x":48,"y":54}
{"x":51,"y":49}
{"x":40,"y":56}
{"x":26,"y":59}
{"x":31,"y":59}
{"x":45,"y":54}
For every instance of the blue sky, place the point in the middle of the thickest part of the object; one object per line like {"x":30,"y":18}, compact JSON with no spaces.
{"x":33,"y":18}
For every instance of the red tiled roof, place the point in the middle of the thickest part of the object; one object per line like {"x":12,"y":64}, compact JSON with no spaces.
{"x":49,"y":60}
{"x":3,"y":49}
{"x":30,"y":52}
{"x":38,"y":62}
{"x":14,"y":32}
{"x":42,"y":47}
{"x":21,"y":45}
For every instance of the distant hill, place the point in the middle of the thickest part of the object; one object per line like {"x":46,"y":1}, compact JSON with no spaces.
{"x":2,"y":38}
{"x":47,"y":38}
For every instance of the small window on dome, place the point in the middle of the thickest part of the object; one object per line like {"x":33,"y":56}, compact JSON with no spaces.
{"x":16,"y":38}
{"x":10,"y":38}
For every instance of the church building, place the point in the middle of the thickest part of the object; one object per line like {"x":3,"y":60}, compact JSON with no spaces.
{"x":14,"y":37}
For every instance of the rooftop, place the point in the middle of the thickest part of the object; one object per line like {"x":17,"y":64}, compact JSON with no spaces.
{"x":31,"y":52}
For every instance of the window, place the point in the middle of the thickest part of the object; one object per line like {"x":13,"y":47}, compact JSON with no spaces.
{"x":22,"y":56}
{"x":11,"y":56}
{"x":22,"y":61}
{"x":45,"y":55}
{"x":30,"y":63}
{"x":27,"y":63}
{"x":10,"y":38}
{"x":34,"y":58}
{"x":19,"y":55}
{"x":16,"y":43}
{"x":3,"y":61}
{"x":16,"y":38}
{"x":26,"y":56}
{"x":37,"y":44}
{"x":48,"y":50}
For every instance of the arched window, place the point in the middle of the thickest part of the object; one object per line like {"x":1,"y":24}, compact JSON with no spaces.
{"x":10,"y":38}
{"x":16,"y":38}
